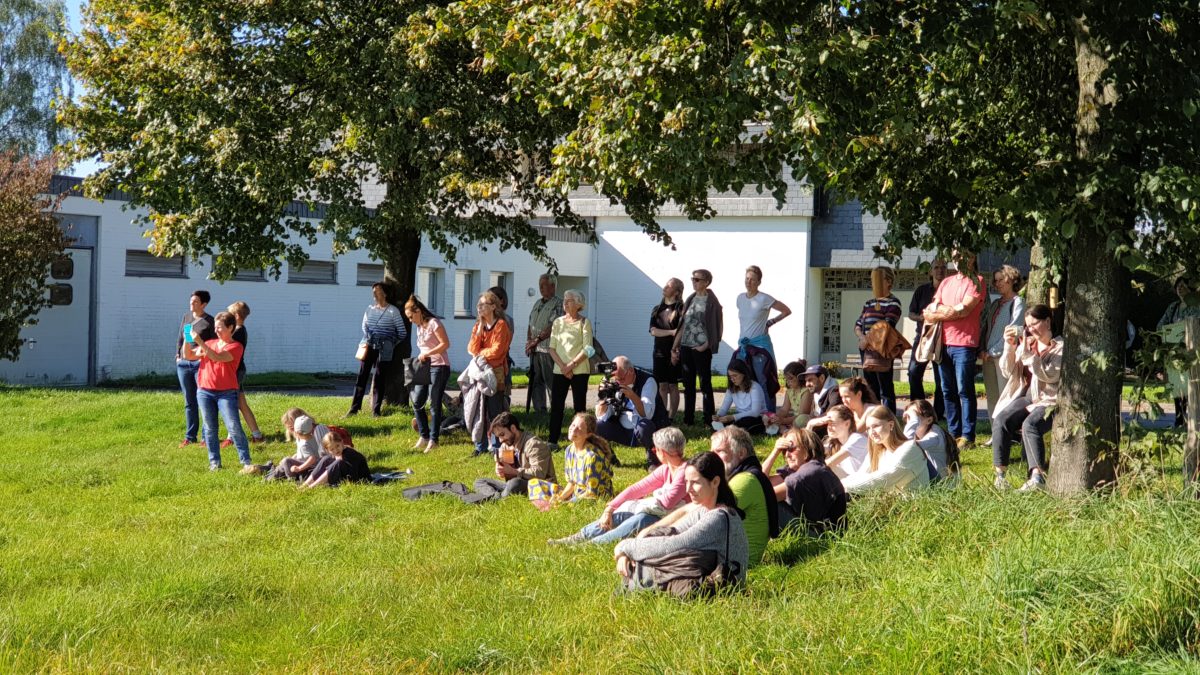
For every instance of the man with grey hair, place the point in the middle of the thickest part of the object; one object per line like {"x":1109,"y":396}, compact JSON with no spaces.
{"x":646,"y":501}
{"x":537,"y":342}
{"x":637,"y":410}
{"x":750,"y":486}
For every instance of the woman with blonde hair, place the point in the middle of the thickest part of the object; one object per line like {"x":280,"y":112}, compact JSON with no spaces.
{"x":589,"y":468}
{"x":570,"y":348}
{"x":892,"y":460}
{"x":1006,"y":310}
{"x":491,"y":337}
{"x":241,"y":311}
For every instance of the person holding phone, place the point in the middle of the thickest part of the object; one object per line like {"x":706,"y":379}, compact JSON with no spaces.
{"x":217,"y":389}
{"x":1032,"y":362}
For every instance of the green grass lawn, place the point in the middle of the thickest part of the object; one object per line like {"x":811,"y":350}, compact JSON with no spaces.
{"x":121,"y":552}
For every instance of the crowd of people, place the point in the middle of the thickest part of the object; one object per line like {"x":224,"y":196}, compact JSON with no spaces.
{"x":689,"y":523}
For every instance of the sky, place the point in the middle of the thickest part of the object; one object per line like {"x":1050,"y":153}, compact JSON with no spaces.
{"x":73,"y":12}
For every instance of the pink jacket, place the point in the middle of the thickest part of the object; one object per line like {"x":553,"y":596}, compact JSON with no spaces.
{"x":673,"y":495}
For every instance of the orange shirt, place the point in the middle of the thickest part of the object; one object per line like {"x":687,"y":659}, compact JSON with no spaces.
{"x":492,"y":344}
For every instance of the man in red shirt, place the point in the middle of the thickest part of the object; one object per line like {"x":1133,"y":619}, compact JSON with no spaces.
{"x":958,"y":304}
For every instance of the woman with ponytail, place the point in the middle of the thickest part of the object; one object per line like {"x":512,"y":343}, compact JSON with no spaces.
{"x":589,"y":468}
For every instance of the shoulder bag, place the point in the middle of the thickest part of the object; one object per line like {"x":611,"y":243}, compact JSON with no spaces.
{"x":416,"y":372}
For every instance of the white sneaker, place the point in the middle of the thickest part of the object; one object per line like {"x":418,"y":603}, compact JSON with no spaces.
{"x":213,"y":466}
{"x":1001,"y":482}
{"x":419,"y":444}
{"x":773,"y":430}
{"x":1036,"y":483}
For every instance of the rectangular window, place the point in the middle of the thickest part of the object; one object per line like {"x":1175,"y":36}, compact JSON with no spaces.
{"x":244,"y":274}
{"x":503,"y":280}
{"x":313,"y":272}
{"x":429,"y":288}
{"x":369,"y":274}
{"x":145,"y":264}
{"x":466,"y":291}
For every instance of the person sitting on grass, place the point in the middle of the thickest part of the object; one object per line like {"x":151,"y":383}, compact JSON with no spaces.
{"x":855,"y":394}
{"x":522,"y":458}
{"x":310,"y":437}
{"x":941,"y":452}
{"x":845,"y":447}
{"x":755,"y":496}
{"x":589,"y":468}
{"x":708,"y":537}
{"x":811,"y":497}
{"x":342,"y":463}
{"x":893,"y":462}
{"x":646,"y":501}
{"x":797,"y":408}
{"x":747,"y":399}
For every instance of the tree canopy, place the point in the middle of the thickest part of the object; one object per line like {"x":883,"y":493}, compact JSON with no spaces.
{"x":32,"y":74}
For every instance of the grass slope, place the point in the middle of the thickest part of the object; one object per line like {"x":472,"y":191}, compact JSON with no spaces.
{"x":121,"y":552}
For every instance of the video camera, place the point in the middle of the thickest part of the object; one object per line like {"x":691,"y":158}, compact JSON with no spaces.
{"x":609,"y":390}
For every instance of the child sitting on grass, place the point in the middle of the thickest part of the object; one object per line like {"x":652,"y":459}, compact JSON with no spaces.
{"x":309,"y":437}
{"x":343,"y":463}
{"x":797,"y":406}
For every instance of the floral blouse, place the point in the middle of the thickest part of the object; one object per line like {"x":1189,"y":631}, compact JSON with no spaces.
{"x":588,"y":474}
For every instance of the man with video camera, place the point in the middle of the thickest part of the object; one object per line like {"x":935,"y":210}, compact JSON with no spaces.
{"x":630,"y":409}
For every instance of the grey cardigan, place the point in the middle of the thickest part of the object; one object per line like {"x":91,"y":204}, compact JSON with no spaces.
{"x":700,"y":530}
{"x":714,"y":322}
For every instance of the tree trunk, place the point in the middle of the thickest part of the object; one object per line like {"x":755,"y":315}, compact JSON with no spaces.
{"x":1087,"y":422}
{"x":1191,"y":449}
{"x":1088,"y":418}
{"x":1037,"y":289}
{"x":399,"y":249}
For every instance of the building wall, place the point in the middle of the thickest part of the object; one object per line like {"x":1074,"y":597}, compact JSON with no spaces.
{"x":631,"y":272}
{"x":294,"y":327}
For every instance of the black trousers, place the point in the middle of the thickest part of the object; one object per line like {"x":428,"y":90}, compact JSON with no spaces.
{"x":558,"y":400}
{"x":697,"y":365}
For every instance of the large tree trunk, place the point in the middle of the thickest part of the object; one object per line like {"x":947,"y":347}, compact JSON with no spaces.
{"x":399,"y":249}
{"x":1088,"y":419}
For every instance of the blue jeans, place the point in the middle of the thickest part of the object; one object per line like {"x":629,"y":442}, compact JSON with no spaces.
{"x":226,"y":401}
{"x":958,"y":389}
{"x":433,"y":393}
{"x":186,"y":370}
{"x":625,"y":524}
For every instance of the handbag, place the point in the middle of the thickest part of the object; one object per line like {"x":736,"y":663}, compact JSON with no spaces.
{"x":692,"y":573}
{"x":929,"y":345}
{"x":362,"y":351}
{"x":416,"y":372}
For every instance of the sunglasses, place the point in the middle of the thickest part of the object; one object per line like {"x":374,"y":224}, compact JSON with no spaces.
{"x":696,"y":280}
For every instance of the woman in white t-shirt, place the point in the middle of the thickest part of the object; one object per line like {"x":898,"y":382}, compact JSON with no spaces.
{"x":432,"y":343}
{"x":754,"y":309}
{"x":845,"y":447}
{"x":893,"y":462}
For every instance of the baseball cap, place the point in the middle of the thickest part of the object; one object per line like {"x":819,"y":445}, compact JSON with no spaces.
{"x":303,"y":424}
{"x":816,"y":370}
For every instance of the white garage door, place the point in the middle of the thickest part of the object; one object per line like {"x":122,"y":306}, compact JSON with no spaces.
{"x":56,"y":349}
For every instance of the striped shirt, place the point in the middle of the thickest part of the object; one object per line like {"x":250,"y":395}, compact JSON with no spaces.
{"x":879,"y":309}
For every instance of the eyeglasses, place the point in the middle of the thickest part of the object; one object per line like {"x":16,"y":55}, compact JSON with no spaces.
{"x":696,"y":280}
{"x":485,"y":304}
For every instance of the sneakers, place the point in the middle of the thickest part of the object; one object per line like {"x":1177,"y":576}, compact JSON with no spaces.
{"x":419,"y":444}
{"x":250,"y":469}
{"x":258,"y":438}
{"x":1036,"y":483}
{"x":570,"y":540}
{"x":226,"y":443}
{"x":214,"y":466}
{"x":186,"y":443}
{"x":773,"y":430}
{"x":1001,"y":482}
{"x":430,"y":446}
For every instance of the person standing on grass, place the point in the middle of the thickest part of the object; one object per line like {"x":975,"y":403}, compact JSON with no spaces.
{"x":217,"y":389}
{"x":341,"y":463}
{"x":1007,"y":310}
{"x":570,"y":347}
{"x":921,"y":299}
{"x":432,"y":344}
{"x":958,"y":304}
{"x":196,"y":324}
{"x":754,"y":342}
{"x":490,"y":338}
{"x":1032,"y":361}
{"x":241,"y":310}
{"x":697,"y":340}
{"x":893,"y":461}
{"x":665,"y":320}
{"x":884,"y":306}
{"x":643,"y":503}
{"x":537,"y":342}
{"x":382,"y":329}
{"x":751,"y":487}
{"x":811,"y":497}
{"x":713,"y":527}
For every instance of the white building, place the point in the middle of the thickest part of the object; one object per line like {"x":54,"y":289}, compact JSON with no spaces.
{"x":118,"y":309}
